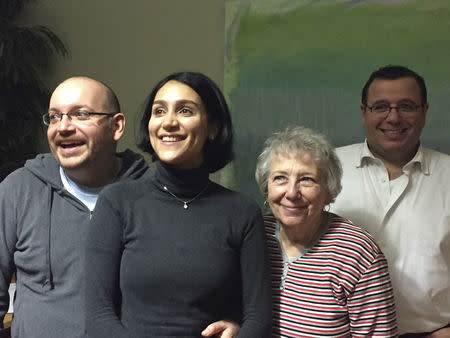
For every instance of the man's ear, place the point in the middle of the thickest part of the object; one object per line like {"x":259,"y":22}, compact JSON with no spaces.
{"x":362,"y":107}
{"x":118,"y":126}
{"x":363,"y":110}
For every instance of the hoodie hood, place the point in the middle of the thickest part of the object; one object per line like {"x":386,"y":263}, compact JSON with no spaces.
{"x":46,"y":168}
{"x":133,"y":165}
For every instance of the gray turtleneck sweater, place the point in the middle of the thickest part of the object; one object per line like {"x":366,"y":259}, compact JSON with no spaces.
{"x":156,"y":269}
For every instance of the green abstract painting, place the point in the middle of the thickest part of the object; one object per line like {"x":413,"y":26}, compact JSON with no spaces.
{"x":305,"y":62}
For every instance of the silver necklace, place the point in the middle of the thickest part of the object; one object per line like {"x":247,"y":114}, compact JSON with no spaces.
{"x":185,"y":203}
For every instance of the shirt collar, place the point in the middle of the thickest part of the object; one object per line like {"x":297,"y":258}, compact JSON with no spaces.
{"x":421,"y":158}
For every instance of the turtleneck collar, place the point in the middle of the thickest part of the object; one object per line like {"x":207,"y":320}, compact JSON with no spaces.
{"x":182,"y":182}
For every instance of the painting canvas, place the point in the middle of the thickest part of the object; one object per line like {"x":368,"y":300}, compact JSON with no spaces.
{"x":305,"y":62}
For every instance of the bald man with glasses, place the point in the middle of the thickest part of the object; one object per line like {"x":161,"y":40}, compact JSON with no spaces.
{"x":46,"y":206}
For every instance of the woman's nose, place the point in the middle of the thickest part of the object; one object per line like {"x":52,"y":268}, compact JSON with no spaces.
{"x":292,"y":191}
{"x":170,"y":120}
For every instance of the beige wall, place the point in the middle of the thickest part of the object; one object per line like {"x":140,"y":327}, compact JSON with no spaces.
{"x":131,"y":45}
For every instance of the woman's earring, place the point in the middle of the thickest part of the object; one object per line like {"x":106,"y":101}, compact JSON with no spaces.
{"x":327,"y":206}
{"x":211,"y":137}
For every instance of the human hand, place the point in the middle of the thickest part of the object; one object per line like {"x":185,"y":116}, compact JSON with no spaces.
{"x":441,"y":333}
{"x":221,"y":329}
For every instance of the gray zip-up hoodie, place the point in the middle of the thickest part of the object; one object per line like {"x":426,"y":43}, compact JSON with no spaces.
{"x":43,"y":229}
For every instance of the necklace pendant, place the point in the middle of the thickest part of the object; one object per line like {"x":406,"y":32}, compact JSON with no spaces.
{"x":185,"y":203}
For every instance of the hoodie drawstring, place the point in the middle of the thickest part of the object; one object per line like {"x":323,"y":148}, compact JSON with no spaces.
{"x":48,"y":283}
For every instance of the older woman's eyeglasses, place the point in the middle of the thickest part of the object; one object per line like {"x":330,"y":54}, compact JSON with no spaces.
{"x":404,"y":109}
{"x":76,"y":115}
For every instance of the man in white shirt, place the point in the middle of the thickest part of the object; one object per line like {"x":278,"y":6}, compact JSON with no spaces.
{"x":400,"y":192}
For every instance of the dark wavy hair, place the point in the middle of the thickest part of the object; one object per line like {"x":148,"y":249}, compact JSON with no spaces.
{"x":217,"y":152}
{"x":393,"y":72}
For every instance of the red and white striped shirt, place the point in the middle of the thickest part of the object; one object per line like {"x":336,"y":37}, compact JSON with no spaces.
{"x":340,"y":287}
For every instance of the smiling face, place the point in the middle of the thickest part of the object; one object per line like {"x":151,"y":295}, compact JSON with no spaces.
{"x":83,"y":146}
{"x":297,"y":192}
{"x":178,"y":126}
{"x":394,"y":137}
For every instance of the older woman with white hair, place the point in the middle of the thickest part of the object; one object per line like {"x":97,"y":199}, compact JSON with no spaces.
{"x":329,"y":278}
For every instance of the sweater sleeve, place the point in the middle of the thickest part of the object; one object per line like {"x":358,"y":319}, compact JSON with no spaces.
{"x":103,"y":256}
{"x":257,"y":298}
{"x":371,"y":306}
{"x":8,"y":239}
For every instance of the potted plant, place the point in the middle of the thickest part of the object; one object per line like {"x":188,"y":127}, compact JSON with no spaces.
{"x":26,"y":54}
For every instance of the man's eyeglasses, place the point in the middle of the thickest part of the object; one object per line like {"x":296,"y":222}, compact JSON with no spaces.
{"x":404,"y":109}
{"x":77,"y":115}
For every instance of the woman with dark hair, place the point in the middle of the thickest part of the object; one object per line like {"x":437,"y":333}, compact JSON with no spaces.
{"x":218,"y":150}
{"x":173,"y":252}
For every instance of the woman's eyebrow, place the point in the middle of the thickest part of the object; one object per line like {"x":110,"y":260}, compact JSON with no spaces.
{"x":162,"y":102}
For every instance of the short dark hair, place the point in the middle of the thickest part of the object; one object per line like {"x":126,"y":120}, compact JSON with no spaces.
{"x":392,"y":72}
{"x":217,"y":152}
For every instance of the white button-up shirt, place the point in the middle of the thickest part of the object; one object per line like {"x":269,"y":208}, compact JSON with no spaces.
{"x":410,"y":220}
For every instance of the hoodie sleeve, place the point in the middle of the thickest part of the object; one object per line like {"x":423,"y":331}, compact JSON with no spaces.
{"x":8,"y":238}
